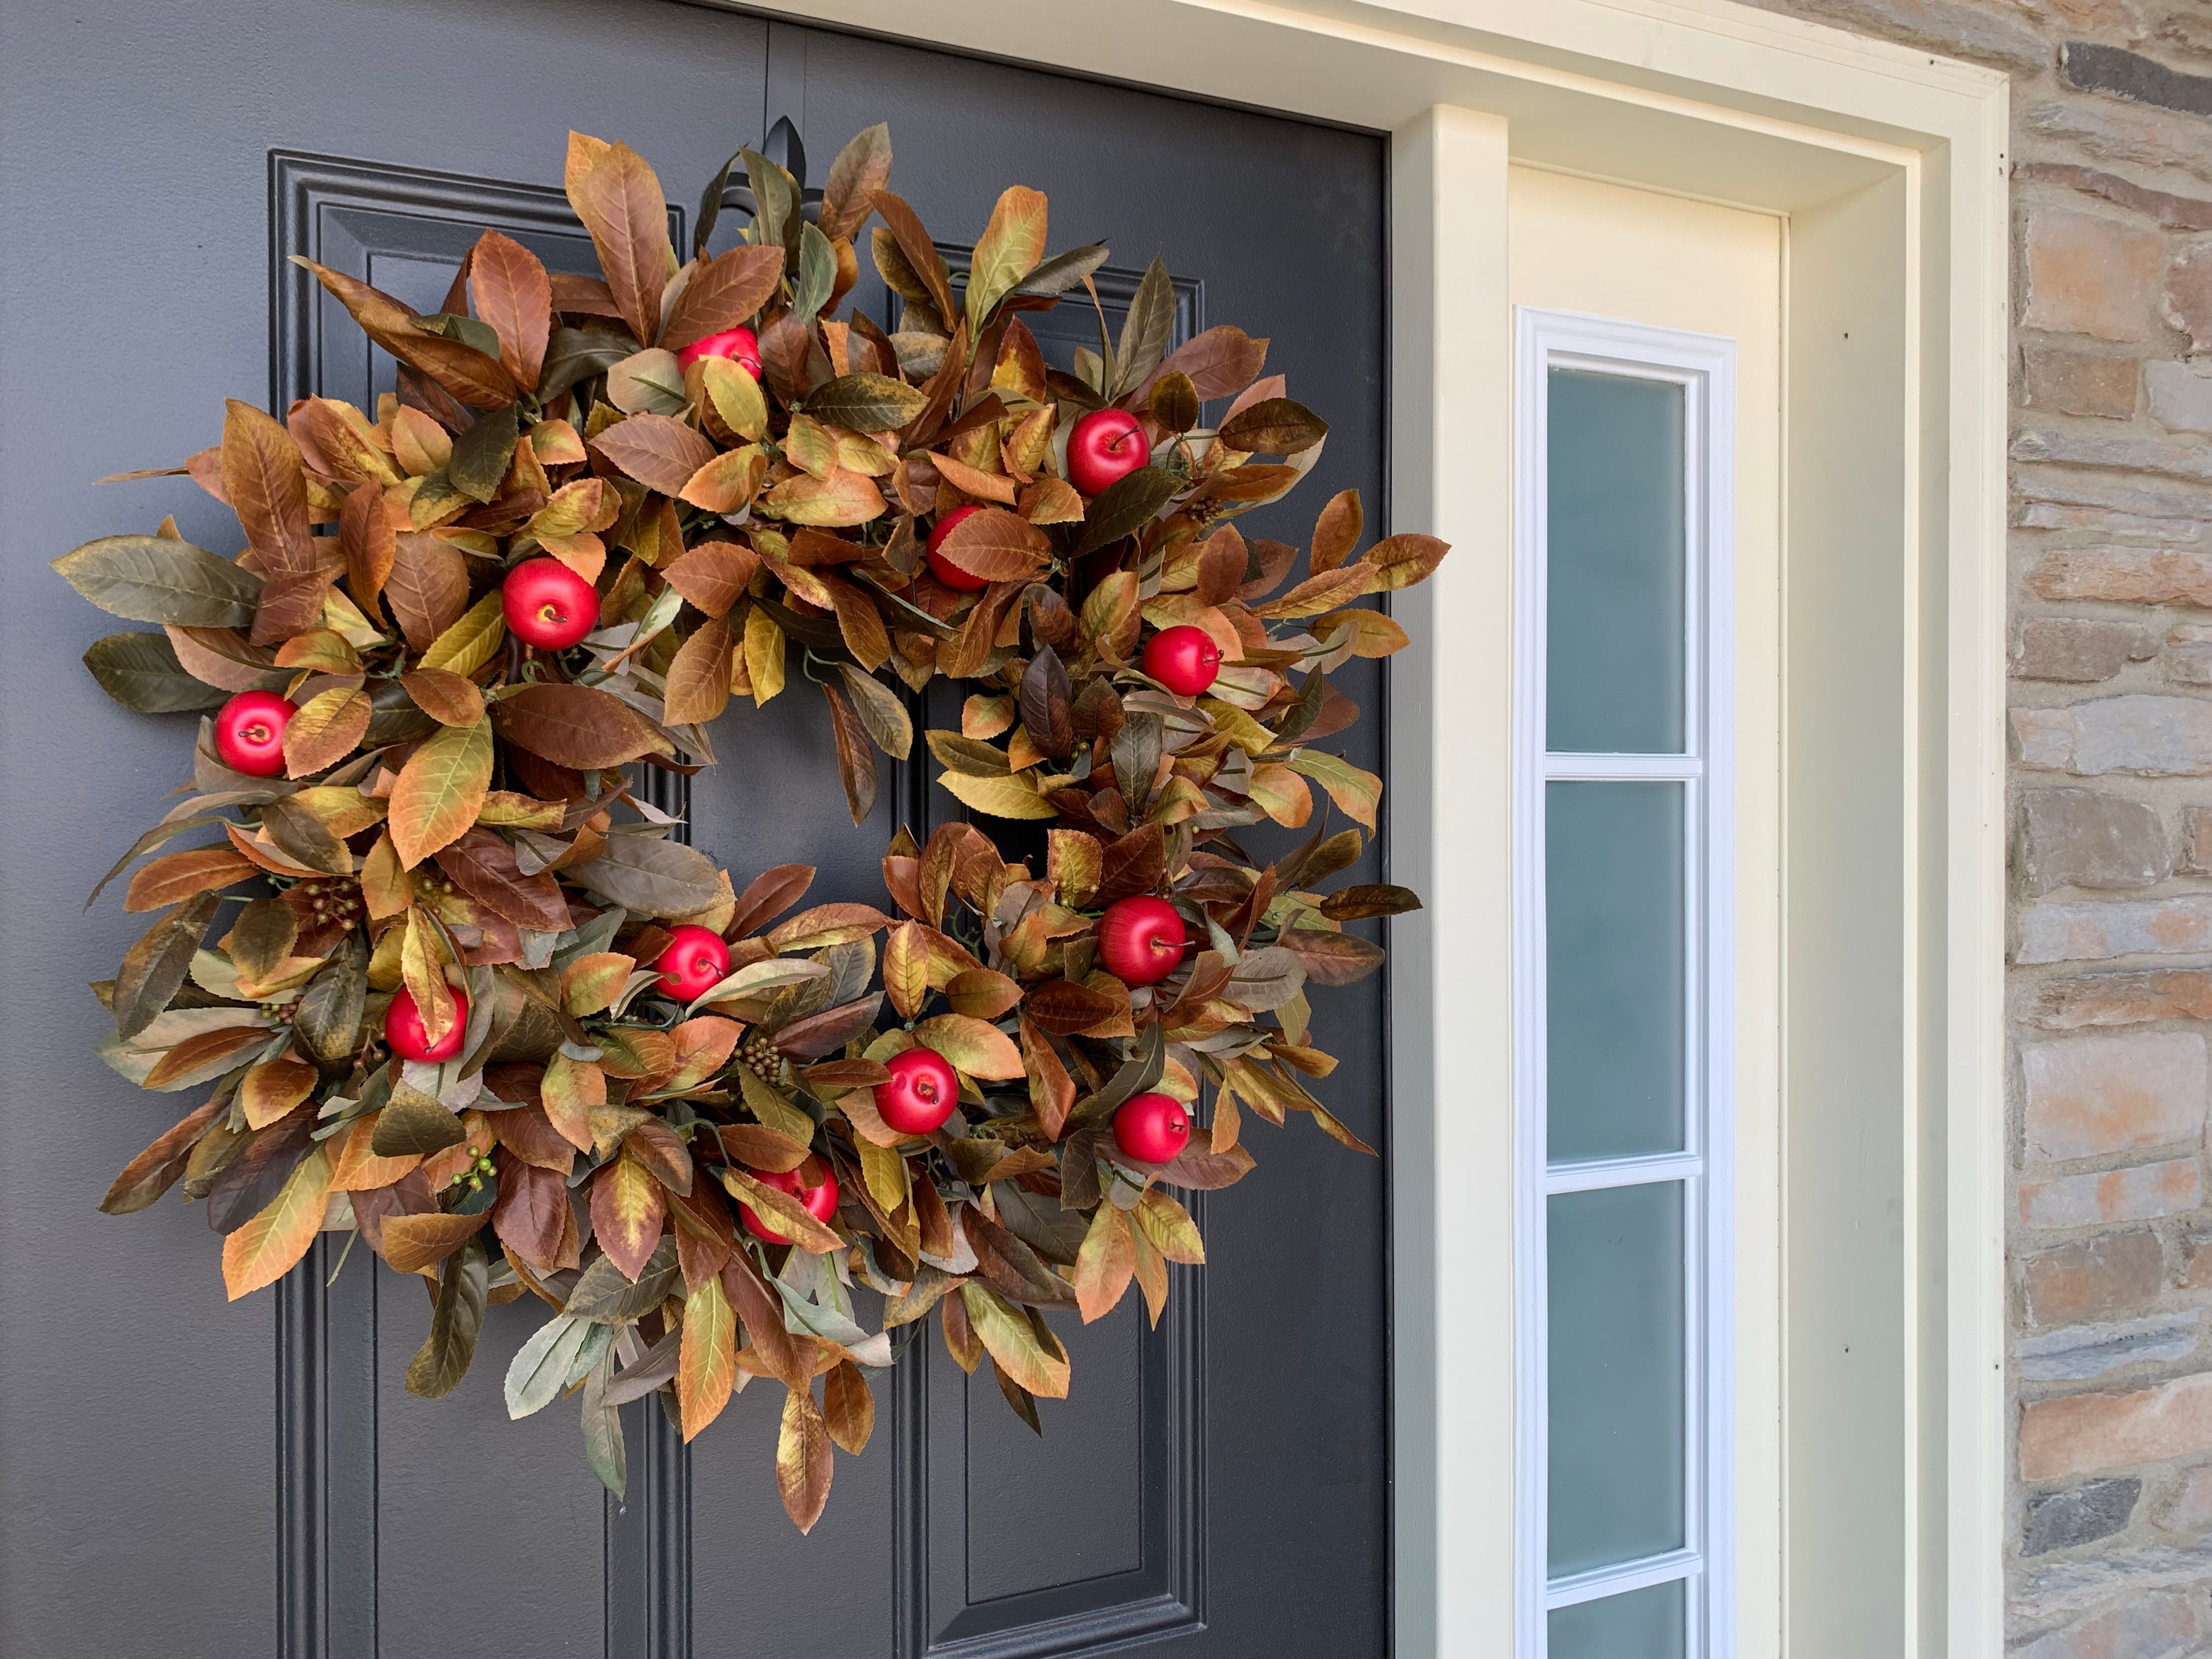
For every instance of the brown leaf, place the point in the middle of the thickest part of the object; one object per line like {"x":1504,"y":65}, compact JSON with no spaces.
{"x":707,"y":1362}
{"x":1062,"y":1006}
{"x":921,"y":255}
{"x":619,"y":200}
{"x":996,"y":545}
{"x":531,"y":1215}
{"x":428,"y":588}
{"x":660,"y":453}
{"x":848,"y":1407}
{"x":856,"y":756}
{"x":326,"y":729}
{"x":724,"y":293}
{"x":1132,"y":864}
{"x":176,"y":877}
{"x":761,"y":1309}
{"x":480,"y":381}
{"x":576,"y":726}
{"x":367,"y":537}
{"x":152,"y":1173}
{"x":265,"y":1249}
{"x":483,"y":865}
{"x":713,"y":575}
{"x":262,"y":475}
{"x":627,"y":1213}
{"x":1221,"y":362}
{"x":273,"y":1088}
{"x":803,"y":1458}
{"x":450,"y":699}
{"x":515,"y":297}
{"x":412,"y":1242}
{"x":1336,"y":533}
{"x":1052,"y":1091}
{"x":768,"y":895}
{"x":1106,"y":1263}
{"x":699,"y":675}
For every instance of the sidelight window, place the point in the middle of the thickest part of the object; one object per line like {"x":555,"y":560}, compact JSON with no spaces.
{"x":1623,"y":885}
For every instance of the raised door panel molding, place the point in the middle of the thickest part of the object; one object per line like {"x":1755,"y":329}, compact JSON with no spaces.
{"x":351,"y":1520}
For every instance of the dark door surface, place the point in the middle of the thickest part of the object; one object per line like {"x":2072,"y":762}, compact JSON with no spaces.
{"x":183,"y":1476}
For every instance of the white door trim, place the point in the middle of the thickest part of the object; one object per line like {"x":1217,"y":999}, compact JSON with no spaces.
{"x":1901,"y":157}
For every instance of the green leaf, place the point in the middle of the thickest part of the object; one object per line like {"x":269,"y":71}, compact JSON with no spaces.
{"x":650,"y":877}
{"x":817,"y":274}
{"x":1147,"y":329}
{"x":1273,"y":426}
{"x":481,"y":454}
{"x":1008,"y":250}
{"x":865,"y":402}
{"x":1126,"y":505}
{"x":604,"y":1297}
{"x":578,"y":354}
{"x":541,"y":1366}
{"x":157,"y":965}
{"x":141,"y":671}
{"x":327,"y":1018}
{"x":878,"y":709}
{"x":456,"y":1319}
{"x":1064,"y":271}
{"x":603,"y":1430}
{"x":153,"y":579}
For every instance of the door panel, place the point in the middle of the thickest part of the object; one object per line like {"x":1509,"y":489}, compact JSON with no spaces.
{"x":1218,"y":1486}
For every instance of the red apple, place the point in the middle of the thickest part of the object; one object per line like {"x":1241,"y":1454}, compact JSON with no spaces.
{"x":1183,"y":659}
{"x":693,"y":962}
{"x":821,"y":1202}
{"x":922,"y":1094}
{"x":942,"y":567}
{"x":1142,"y":939}
{"x":403,"y":1028}
{"x":1107,"y":444}
{"x":548,"y":604}
{"x":1151,"y":1128}
{"x":249,"y":733}
{"x":740,"y":345}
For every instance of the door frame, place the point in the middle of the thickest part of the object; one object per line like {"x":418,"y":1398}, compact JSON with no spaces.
{"x":1891,"y":167}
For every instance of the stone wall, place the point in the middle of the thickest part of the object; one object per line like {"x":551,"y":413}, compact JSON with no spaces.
{"x":2109,"y":1533}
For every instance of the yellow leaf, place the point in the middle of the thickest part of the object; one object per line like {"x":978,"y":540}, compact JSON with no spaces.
{"x":1011,"y":796}
{"x":440,"y":790}
{"x":1355,"y":791}
{"x":736,"y":396}
{"x":764,"y":655}
{"x":422,"y":969}
{"x":264,"y":1249}
{"x":1105,"y":1264}
{"x":707,"y":1361}
{"x":843,"y":498}
{"x":1005,"y":1331}
{"x":471,"y":642}
{"x":274,"y":1088}
{"x":906,"y":968}
{"x":803,"y":1460}
{"x":885,"y":1172}
{"x":589,"y":983}
{"x":570,"y":1089}
{"x":979,"y":1050}
{"x":325,"y":730}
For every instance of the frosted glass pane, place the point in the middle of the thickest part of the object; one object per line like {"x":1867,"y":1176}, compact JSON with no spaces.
{"x":1645,"y":1624}
{"x":1617,"y":1380}
{"x":1615,"y":616}
{"x":1613,"y":904}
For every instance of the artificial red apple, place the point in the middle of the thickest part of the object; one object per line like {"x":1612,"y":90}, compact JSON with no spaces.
{"x":942,"y":567}
{"x":403,"y":1028}
{"x":1151,"y":1128}
{"x":821,"y":1202}
{"x":740,"y":345}
{"x":1142,"y":939}
{"x":548,"y":604}
{"x":249,"y":732}
{"x":693,"y":962}
{"x":922,"y":1094}
{"x":1106,"y":445}
{"x":1183,"y":659}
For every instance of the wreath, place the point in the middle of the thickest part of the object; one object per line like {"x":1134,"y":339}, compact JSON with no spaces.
{"x":459,"y":992}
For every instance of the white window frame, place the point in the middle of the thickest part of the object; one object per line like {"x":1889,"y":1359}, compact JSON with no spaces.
{"x":1704,"y":366}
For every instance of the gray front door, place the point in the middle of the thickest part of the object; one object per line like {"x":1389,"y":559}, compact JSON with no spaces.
{"x":185,"y":1477}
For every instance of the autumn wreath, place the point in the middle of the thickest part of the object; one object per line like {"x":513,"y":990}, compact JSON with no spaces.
{"x":460,"y":993}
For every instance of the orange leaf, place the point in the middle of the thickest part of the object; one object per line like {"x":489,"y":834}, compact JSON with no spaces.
{"x":515,"y":297}
{"x":724,"y":293}
{"x":627,"y":1213}
{"x":440,"y":791}
{"x":264,"y":1249}
{"x":707,"y":1360}
{"x":619,"y":200}
{"x":803,"y":1459}
{"x":176,"y":877}
{"x":327,"y":728}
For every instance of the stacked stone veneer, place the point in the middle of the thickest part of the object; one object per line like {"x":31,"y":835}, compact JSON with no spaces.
{"x":2110,"y":1522}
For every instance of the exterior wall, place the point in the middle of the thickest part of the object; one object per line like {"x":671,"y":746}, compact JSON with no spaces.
{"x":2110,"y":1533}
